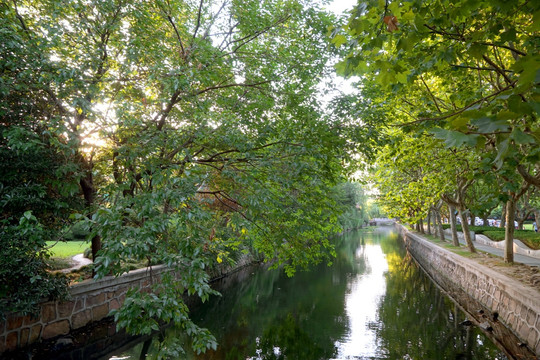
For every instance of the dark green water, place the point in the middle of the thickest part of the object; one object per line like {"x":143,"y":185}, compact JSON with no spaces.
{"x":372,"y":303}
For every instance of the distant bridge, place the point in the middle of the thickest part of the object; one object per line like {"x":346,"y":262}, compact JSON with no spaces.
{"x":381,"y":221}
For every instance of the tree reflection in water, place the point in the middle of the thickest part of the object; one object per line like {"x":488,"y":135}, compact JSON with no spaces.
{"x":416,"y":321}
{"x":314,"y":315}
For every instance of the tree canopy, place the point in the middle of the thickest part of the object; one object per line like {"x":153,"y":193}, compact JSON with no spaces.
{"x":190,"y":132}
{"x":178,"y":132}
{"x":461,"y":73}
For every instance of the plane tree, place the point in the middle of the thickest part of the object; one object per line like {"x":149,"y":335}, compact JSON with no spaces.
{"x":465,"y":71}
{"x":406,"y":180}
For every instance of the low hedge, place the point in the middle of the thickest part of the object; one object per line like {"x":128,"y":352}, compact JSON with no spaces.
{"x":528,"y":237}
{"x":476,"y":229}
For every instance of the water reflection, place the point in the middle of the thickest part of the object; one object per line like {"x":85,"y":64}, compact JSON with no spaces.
{"x":372,"y":303}
{"x":364,"y":292}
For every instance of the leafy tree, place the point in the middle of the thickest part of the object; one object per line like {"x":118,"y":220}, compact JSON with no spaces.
{"x":464,"y":71}
{"x":409,"y":177}
{"x":194,"y":133}
{"x":38,"y":181}
{"x":352,"y":197}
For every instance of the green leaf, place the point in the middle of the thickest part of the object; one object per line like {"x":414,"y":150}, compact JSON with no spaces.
{"x":459,"y":122}
{"x":477,"y":51}
{"x":341,"y":67}
{"x":454,"y":138}
{"x":503,"y":149}
{"x":508,"y":36}
{"x":506,"y":115}
{"x":487,"y":125}
{"x":408,"y":16}
{"x":339,"y":40}
{"x":521,"y":138}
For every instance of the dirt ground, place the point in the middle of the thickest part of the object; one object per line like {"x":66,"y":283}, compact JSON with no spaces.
{"x":527,"y":275}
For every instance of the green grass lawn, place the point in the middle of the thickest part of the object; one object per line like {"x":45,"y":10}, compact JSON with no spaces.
{"x":528,"y":227}
{"x":67,"y":249}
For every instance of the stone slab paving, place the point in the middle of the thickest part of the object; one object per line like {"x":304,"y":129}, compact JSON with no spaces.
{"x":485,"y":247}
{"x":79,"y":261}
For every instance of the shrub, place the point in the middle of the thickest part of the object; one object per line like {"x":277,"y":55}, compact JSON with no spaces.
{"x":529,"y":238}
{"x":477,"y":229}
{"x":24,"y":279}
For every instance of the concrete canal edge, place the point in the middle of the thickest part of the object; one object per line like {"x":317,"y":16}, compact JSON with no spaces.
{"x":90,"y":302}
{"x":506,"y":309}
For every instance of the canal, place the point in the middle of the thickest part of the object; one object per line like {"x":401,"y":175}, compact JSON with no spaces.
{"x":372,"y":303}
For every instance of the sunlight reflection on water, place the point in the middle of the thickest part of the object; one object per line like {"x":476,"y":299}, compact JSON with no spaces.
{"x":363,"y":296}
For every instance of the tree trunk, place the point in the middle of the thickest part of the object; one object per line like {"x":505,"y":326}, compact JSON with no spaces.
{"x":421,"y":224}
{"x":485,"y":221}
{"x":536,"y":220}
{"x":452,"y":210}
{"x":466,"y":231}
{"x":509,"y":231}
{"x":520,"y":223}
{"x":89,"y":193}
{"x":503,"y":217}
{"x":429,"y":222}
{"x":440,"y":227}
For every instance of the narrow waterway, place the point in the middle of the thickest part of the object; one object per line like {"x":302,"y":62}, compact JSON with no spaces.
{"x":372,"y":303}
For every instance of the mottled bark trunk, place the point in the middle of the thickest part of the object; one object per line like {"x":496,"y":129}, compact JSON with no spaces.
{"x":485,"y":221}
{"x":429,"y":222}
{"x":520,"y":223}
{"x":509,"y":231}
{"x":439,"y":223}
{"x":421,"y":225}
{"x":466,"y":231}
{"x":503,"y":216}
{"x":455,"y":239}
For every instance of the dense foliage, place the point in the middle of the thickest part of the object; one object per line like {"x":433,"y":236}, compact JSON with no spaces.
{"x":38,"y":183}
{"x":177,"y":132}
{"x":352,"y":198}
{"x":458,"y":82}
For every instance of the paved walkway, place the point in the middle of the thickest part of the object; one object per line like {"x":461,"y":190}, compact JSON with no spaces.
{"x":79,"y":261}
{"x":528,"y":260}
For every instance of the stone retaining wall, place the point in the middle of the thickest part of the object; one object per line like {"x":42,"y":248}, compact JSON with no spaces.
{"x":90,"y":301}
{"x":498,"y":302}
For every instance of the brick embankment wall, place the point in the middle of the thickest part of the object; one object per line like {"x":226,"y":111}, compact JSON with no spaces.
{"x":90,"y":301}
{"x":508,"y":310}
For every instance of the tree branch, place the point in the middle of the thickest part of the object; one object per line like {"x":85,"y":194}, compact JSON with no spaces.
{"x":213,"y":157}
{"x":530,"y":179}
{"x":246,"y":39}
{"x":21,"y":20}
{"x":505,"y":47}
{"x":499,"y":70}
{"x":431,"y":94}
{"x":478,"y":68}
{"x":183,"y":51}
{"x":254,"y":85}
{"x":460,"y":110}
{"x":198,"y":20}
